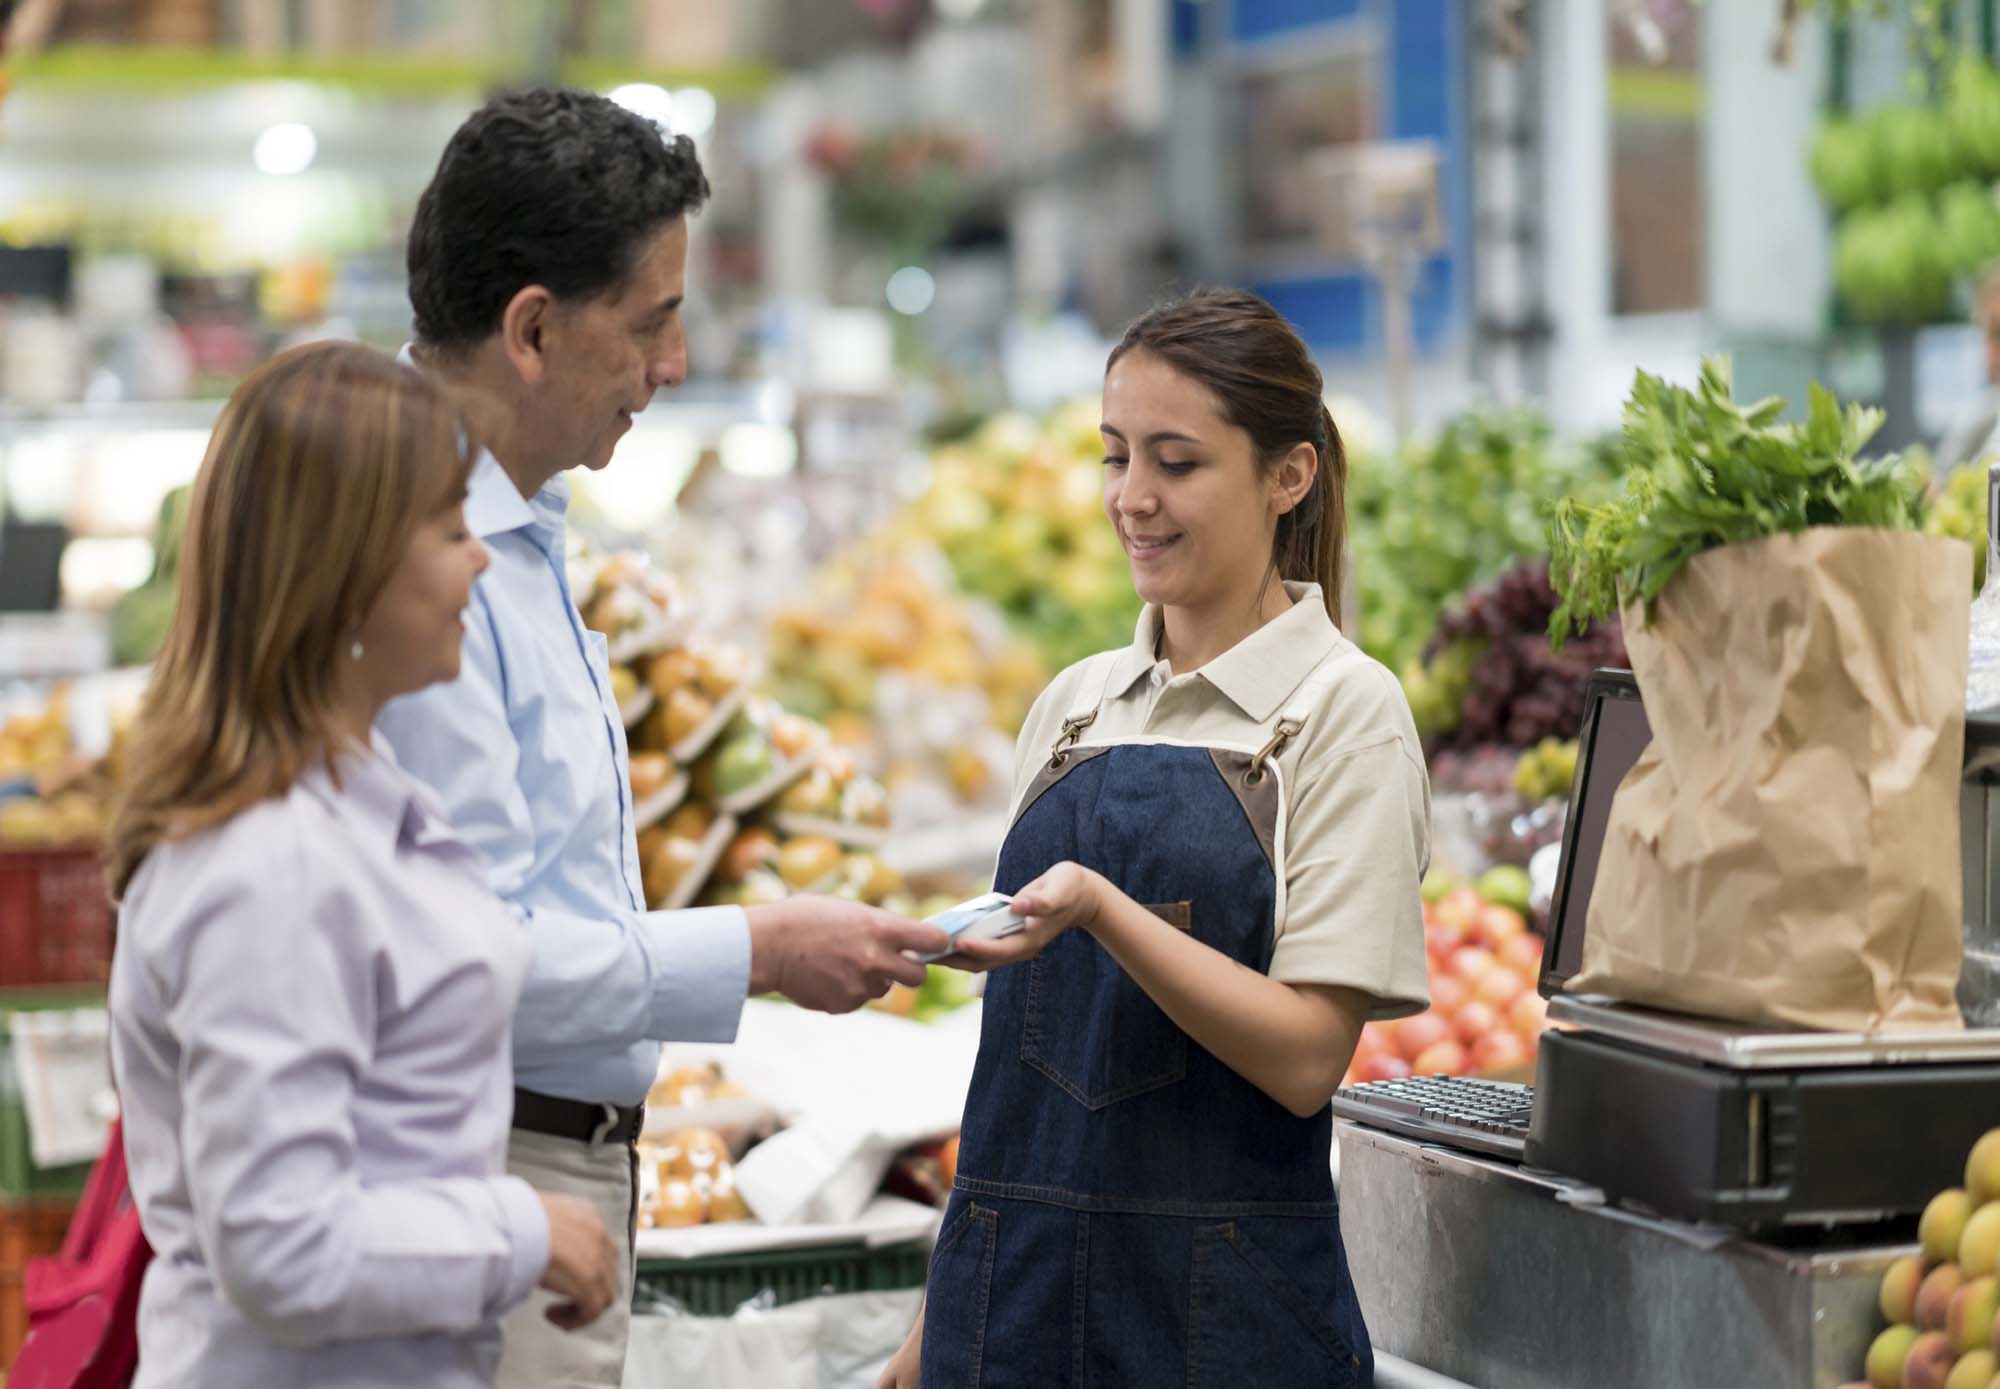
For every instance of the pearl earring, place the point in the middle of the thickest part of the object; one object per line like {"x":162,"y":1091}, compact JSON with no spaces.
{"x":355,"y":650}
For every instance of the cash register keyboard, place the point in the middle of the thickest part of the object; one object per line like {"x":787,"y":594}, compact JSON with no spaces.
{"x":1482,"y":1116}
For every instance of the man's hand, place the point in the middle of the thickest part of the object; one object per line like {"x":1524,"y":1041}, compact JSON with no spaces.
{"x":1065,"y":896}
{"x":833,"y":955}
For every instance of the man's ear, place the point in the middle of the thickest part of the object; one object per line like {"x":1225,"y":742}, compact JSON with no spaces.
{"x":524,"y":330}
{"x":1294,"y":478}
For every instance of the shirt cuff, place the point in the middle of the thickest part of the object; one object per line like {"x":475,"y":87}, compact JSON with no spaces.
{"x":701,"y":998}
{"x":528,"y":1235}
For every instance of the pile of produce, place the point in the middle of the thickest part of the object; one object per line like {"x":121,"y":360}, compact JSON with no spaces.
{"x":1018,"y":511}
{"x":688,"y":1179}
{"x":737,"y":800}
{"x":1702,"y":472}
{"x":1485,"y":1016}
{"x":50,"y":792}
{"x":1958,"y":509}
{"x":1546,"y":770}
{"x":1441,"y":516}
{"x":1490,"y":674}
{"x":875,"y":615}
{"x":1943,"y":1305}
{"x":926,"y":686}
{"x":1913,"y":187}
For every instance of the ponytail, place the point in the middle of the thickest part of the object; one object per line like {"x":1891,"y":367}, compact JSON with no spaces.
{"x":1329,"y":541}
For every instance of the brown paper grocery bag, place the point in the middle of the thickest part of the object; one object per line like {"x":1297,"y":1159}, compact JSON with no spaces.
{"x":1785,"y":852}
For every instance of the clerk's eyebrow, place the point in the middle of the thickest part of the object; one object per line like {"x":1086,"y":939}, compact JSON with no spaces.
{"x":1153,"y":440}
{"x":665,"y":307}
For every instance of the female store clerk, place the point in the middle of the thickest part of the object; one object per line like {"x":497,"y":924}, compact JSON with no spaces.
{"x":311,"y":993}
{"x":1218,"y":837}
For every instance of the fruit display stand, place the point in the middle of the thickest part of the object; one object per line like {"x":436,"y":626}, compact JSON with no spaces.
{"x":1508,"y":1278}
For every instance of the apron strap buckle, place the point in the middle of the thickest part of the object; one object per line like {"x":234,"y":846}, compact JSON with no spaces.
{"x":1073,"y":727}
{"x":1288,"y":729}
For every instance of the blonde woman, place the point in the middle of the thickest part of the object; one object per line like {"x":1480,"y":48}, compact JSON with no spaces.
{"x":312,"y":987}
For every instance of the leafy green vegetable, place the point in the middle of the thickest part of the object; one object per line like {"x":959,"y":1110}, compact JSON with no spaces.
{"x":1446,"y":513}
{"x":1702,"y":472}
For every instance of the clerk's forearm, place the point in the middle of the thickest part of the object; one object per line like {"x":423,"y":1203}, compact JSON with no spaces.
{"x":1293,"y":1042}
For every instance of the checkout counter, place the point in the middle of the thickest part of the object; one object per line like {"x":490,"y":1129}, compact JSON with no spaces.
{"x":1690,"y":1205}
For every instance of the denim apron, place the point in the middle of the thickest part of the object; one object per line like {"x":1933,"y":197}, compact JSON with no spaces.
{"x":1128,"y":1210}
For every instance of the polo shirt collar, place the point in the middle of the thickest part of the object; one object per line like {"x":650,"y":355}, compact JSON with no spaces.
{"x":1257,"y":674}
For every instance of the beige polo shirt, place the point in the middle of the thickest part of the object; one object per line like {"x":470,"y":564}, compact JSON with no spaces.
{"x":1357,"y":840}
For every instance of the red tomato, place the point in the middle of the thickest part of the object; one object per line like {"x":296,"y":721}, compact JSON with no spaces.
{"x":1413,"y":1035}
{"x":1460,"y":907}
{"x":1522,"y":954}
{"x":1440,"y":941}
{"x":1499,"y":1051}
{"x":1473,"y":1021}
{"x":1499,"y":986}
{"x":1442,"y":1059}
{"x":1529,"y":1015}
{"x":1471,"y":963}
{"x":1448,"y":993}
{"x":1495,"y":926}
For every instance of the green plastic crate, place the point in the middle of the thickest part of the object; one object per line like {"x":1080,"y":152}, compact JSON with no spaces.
{"x":20,"y":1179}
{"x":717,"y":1287}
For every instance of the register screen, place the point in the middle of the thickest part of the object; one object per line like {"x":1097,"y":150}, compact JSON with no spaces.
{"x":1619,"y":733}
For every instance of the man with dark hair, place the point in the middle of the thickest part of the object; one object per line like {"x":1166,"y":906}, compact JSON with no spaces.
{"x":547,"y":266}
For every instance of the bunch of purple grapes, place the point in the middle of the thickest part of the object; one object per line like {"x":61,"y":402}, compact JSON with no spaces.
{"x":1520,"y":691}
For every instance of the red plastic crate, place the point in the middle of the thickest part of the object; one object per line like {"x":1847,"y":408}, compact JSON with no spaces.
{"x":56,"y":922}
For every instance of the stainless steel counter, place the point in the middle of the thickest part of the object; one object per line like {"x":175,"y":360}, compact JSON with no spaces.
{"x":1504,"y":1279}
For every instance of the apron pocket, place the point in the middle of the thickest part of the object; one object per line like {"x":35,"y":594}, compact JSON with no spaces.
{"x":1246,"y":1310}
{"x":956,"y":1297}
{"x":1092,"y":1030}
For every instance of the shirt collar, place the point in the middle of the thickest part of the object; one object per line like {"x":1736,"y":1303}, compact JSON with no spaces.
{"x":389,"y":802}
{"x":493,"y":504}
{"x":1257,"y":674}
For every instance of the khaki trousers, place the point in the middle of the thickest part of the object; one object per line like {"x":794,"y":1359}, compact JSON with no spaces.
{"x":537,"y":1354}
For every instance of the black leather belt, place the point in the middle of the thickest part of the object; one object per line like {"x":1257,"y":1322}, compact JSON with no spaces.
{"x":573,"y":1119}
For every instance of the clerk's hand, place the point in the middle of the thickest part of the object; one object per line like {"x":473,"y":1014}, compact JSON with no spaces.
{"x":833,"y":955}
{"x":1067,"y":895}
{"x":583,"y":1263}
{"x":905,"y":1368}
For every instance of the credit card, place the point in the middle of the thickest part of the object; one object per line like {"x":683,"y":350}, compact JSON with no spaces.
{"x":983,"y":918}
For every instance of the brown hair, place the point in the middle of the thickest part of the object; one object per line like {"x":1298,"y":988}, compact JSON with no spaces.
{"x":1267,"y":385}
{"x":323,"y":463}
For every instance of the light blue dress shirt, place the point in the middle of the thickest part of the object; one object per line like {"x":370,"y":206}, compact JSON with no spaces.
{"x":527,"y":750}
{"x":309,"y":1007}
